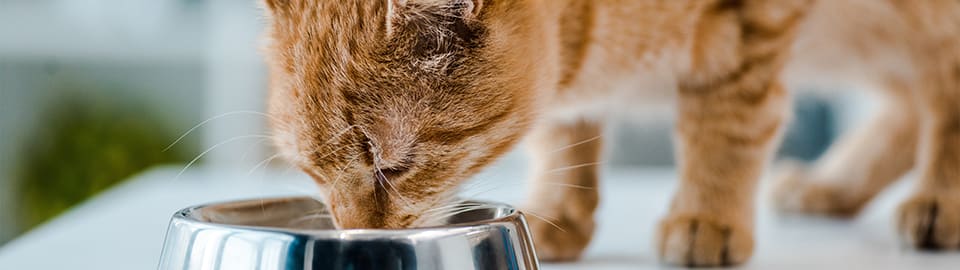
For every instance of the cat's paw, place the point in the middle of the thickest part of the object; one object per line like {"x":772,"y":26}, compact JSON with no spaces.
{"x":795,"y":191}
{"x":930,"y":222}
{"x":562,"y":239}
{"x":700,"y":242}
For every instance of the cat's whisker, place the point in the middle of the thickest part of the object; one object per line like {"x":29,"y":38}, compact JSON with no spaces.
{"x":336,"y":181}
{"x":481,"y":192}
{"x":365,"y":133}
{"x":195,"y":159}
{"x":445,"y":200}
{"x":548,"y":221}
{"x":334,"y":151}
{"x":450,"y":214}
{"x":476,"y":193}
{"x":290,"y":166}
{"x":262,"y":163}
{"x":338,"y":134}
{"x":570,"y":185}
{"x":481,"y":182}
{"x":204,"y":122}
{"x":395,"y":190}
{"x":246,"y":152}
{"x":469,"y":186}
{"x":388,"y":185}
{"x":462,"y":209}
{"x":554,"y":151}
{"x":434,"y":217}
{"x":448,"y":207}
{"x":561,"y":169}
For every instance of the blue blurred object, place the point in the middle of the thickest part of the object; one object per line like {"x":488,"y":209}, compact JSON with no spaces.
{"x":812,"y":130}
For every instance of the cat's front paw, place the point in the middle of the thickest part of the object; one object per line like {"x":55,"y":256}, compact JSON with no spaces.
{"x":562,"y":239}
{"x":795,"y":191}
{"x":930,"y":221}
{"x":694,"y":241}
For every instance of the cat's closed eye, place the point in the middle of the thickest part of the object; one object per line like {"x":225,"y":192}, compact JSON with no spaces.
{"x":409,"y":108}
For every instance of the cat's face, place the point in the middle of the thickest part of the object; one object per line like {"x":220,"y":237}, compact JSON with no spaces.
{"x":390,"y":104}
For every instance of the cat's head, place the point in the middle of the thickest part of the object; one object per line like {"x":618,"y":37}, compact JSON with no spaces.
{"x":390,"y":104}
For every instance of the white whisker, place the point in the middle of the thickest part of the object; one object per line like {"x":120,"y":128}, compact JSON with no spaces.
{"x":214,"y":147}
{"x":336,"y":181}
{"x":246,"y":152}
{"x":262,"y":163}
{"x":545,"y":220}
{"x":395,"y":190}
{"x":334,"y":151}
{"x":576,"y":144}
{"x":340,"y":133}
{"x":211,"y":119}
{"x":452,"y":213}
{"x":556,"y":170}
{"x":570,"y":185}
{"x":376,"y":165}
{"x":448,"y":207}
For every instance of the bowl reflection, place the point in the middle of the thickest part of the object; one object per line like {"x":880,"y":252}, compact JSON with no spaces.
{"x":298,"y":233}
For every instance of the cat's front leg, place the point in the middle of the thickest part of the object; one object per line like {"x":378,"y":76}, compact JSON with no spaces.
{"x":731,"y":109}
{"x":564,"y":189}
{"x":724,"y":142}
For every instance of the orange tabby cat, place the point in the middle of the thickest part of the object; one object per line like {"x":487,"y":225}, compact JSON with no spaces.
{"x":391,"y":104}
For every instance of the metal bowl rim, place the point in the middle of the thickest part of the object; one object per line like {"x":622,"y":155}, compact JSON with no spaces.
{"x":183,"y":215}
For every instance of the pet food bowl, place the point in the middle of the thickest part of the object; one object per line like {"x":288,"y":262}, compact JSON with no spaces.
{"x":298,"y":233}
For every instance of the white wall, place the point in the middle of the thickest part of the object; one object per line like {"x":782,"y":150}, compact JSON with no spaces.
{"x":235,"y":85}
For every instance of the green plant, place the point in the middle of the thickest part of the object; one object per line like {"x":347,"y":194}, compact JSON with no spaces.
{"x":85,"y":144}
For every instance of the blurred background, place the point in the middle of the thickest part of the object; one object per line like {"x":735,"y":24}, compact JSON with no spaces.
{"x":93,"y":92}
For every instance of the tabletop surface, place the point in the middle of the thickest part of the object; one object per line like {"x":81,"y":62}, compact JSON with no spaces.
{"x":124,"y":227}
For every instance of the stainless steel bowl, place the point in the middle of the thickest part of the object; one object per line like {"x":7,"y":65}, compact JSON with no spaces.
{"x":297,"y":233}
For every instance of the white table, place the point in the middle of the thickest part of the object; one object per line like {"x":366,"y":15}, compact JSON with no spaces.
{"x":124,"y":227}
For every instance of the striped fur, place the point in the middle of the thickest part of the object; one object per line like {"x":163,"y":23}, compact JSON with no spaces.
{"x":391,"y":104}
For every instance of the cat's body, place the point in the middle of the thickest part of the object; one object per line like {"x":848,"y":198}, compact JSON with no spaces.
{"x":391,"y":104}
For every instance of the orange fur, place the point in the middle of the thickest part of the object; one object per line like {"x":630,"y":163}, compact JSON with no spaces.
{"x":391,"y":104}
